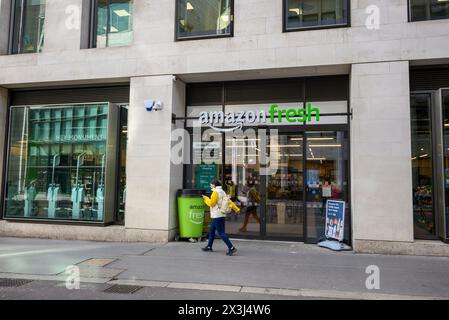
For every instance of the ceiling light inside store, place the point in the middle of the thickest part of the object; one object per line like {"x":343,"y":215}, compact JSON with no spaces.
{"x":325,"y":145}
{"x":292,"y":155}
{"x":189,"y":6}
{"x":313,"y":139}
{"x":242,"y":139}
{"x":122,"y":13}
{"x":296,"y":10}
{"x":285,"y":146}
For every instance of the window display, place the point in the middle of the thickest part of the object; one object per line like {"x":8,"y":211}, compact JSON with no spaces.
{"x":57,"y":161}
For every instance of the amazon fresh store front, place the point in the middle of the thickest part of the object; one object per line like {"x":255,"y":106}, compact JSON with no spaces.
{"x":289,"y":138}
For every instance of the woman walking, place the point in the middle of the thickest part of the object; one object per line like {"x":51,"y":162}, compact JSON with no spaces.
{"x":253,"y":202}
{"x":215,"y":202}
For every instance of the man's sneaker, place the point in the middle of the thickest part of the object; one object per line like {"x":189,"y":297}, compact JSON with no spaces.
{"x":231,"y":251}
{"x":207,"y":248}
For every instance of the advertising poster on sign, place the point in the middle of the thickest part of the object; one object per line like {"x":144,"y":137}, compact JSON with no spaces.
{"x":335,"y":219}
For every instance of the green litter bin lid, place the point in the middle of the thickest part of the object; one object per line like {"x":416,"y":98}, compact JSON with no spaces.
{"x":191,"y":193}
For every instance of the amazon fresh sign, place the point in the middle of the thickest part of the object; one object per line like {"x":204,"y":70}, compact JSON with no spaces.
{"x":274,"y":115}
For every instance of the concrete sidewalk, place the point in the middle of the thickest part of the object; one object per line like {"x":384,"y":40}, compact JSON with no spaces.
{"x":269,"y":268}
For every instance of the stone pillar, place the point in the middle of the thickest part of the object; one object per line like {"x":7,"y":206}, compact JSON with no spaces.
{"x":381,"y":174}
{"x":62,"y":25}
{"x":152,"y":180}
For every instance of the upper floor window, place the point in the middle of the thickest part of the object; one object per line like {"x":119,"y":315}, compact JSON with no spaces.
{"x":112,"y":21}
{"x":27,"y":26}
{"x":308,"y":14}
{"x":421,"y":10}
{"x":200,"y":18}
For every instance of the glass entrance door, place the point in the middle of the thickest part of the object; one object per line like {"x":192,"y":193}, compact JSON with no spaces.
{"x":284,"y":216}
{"x":242,"y":181}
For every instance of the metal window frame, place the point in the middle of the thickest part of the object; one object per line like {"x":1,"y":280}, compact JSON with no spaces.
{"x":444,"y":228}
{"x":93,"y":21}
{"x":92,"y":24}
{"x":12,"y":44}
{"x":177,"y":37}
{"x":117,"y":159}
{"x":330,"y":26}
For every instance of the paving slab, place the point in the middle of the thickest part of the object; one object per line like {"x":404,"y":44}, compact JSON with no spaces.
{"x":40,"y":256}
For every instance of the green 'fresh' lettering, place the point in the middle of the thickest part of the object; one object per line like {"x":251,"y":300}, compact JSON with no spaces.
{"x":293,"y":115}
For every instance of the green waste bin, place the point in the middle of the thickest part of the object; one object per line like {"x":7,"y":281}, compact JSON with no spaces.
{"x":191,"y":213}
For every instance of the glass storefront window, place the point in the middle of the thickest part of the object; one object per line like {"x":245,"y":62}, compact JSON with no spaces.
{"x":326,"y":179}
{"x":113,"y":23}
{"x":199,"y":18}
{"x":301,"y":14}
{"x":422,"y":168}
{"x":421,"y":10}
{"x":28,"y":26}
{"x":57,"y":161}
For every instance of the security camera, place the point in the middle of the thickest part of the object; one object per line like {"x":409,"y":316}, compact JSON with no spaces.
{"x":158,"y":106}
{"x":151,"y":105}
